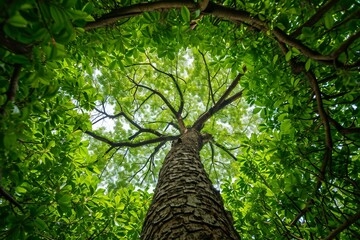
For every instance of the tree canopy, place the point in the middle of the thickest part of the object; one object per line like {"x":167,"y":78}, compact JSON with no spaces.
{"x":92,"y":93}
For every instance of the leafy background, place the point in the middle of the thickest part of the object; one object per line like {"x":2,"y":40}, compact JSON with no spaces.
{"x":285,"y":156}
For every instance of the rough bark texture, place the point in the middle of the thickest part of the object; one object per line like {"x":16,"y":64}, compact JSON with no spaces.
{"x":185,"y":204}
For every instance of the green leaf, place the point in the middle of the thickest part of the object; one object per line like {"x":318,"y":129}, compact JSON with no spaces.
{"x":17,"y":20}
{"x":329,"y":20}
{"x":58,"y":17}
{"x":88,"y":8}
{"x":197,"y":13}
{"x":41,"y":224}
{"x":20,"y":189}
{"x":308,"y":64}
{"x":285,"y":126}
{"x":65,"y":200}
{"x":117,"y":199}
{"x":275,"y":58}
{"x":288,"y":56}
{"x":185,"y":14}
{"x":256,"y":110}
{"x":10,"y":140}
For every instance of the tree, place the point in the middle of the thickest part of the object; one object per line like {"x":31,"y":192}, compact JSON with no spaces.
{"x":268,"y":89}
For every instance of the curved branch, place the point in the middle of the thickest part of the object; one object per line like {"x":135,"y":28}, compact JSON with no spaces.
{"x":182,"y":102}
{"x":132,"y":122}
{"x":181,"y":107}
{"x":167,"y":103}
{"x":222,"y":12}
{"x":137,"y":9}
{"x":325,"y":122}
{"x":298,"y":68}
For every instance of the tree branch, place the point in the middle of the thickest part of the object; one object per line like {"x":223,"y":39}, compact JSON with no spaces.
{"x":132,"y":122}
{"x":346,"y":44}
{"x":208,"y":77}
{"x":341,"y":129}
{"x":220,"y":104}
{"x":167,"y":103}
{"x":14,"y":46}
{"x":217,"y":11}
{"x":13,"y":86}
{"x":10,"y":198}
{"x":297,"y":68}
{"x":181,"y":106}
{"x":316,"y":17}
{"x":307,"y":207}
{"x":203,"y":4}
{"x":130,"y":144}
{"x":199,"y":123}
{"x":137,"y":9}
{"x":149,"y":159}
{"x":343,"y":226}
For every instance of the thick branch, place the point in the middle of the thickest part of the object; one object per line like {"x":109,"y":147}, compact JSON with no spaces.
{"x":217,"y":11}
{"x":325,"y":119}
{"x":130,"y":144}
{"x":316,"y":17}
{"x":137,"y":9}
{"x":245,"y":17}
{"x":343,"y":226}
{"x":203,"y":4}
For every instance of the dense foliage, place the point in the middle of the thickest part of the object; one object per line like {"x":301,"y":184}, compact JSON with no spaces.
{"x":284,"y":152}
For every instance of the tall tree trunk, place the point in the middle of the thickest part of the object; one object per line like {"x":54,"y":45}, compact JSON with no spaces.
{"x":185,"y":203}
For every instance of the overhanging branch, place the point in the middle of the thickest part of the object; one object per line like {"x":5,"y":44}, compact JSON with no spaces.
{"x":222,"y":12}
{"x":137,"y":9}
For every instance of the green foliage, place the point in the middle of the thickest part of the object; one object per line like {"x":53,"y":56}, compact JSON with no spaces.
{"x":282,"y":150}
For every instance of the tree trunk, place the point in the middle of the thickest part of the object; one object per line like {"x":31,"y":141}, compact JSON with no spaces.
{"x":185,"y":203}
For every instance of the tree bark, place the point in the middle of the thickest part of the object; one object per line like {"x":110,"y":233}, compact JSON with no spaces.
{"x":185,"y":203}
